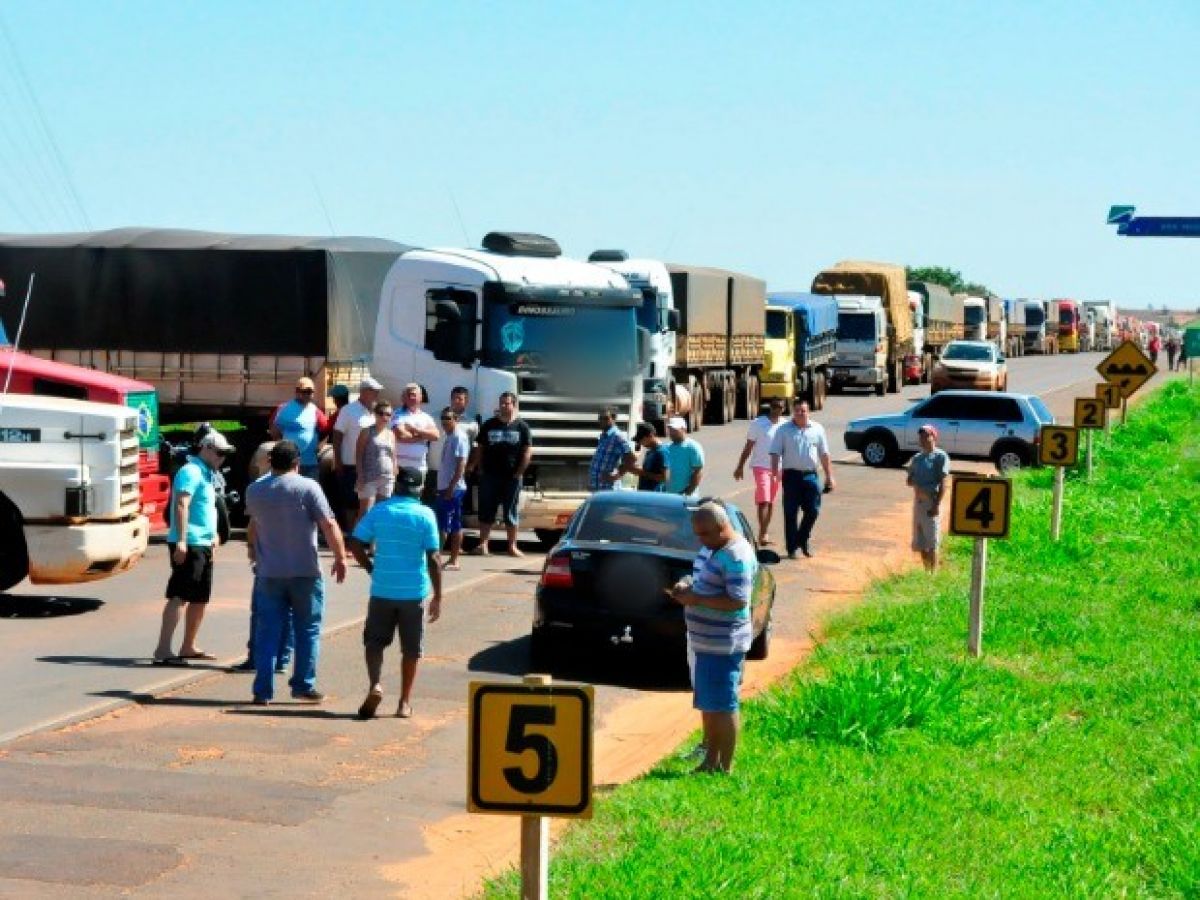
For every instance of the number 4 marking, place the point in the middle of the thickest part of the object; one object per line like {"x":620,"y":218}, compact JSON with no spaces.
{"x":980,"y":509}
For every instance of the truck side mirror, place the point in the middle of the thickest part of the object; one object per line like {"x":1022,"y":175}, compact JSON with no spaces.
{"x":643,"y":347}
{"x":445,"y":311}
{"x":672,"y":320}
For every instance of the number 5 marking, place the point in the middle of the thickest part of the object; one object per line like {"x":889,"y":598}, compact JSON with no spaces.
{"x":519,"y":740}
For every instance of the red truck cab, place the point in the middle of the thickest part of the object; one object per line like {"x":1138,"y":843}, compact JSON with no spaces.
{"x":1069,"y":320}
{"x":26,"y":374}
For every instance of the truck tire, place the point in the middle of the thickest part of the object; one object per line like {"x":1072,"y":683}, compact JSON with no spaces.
{"x":14,"y":557}
{"x":749,"y":396}
{"x":926,"y":368}
{"x":731,"y":397}
{"x":804,"y":388}
{"x":895,"y":376}
{"x":696,"y":418}
{"x":879,"y":449}
{"x":880,"y":388}
{"x":819,"y":391}
{"x":715,"y":408}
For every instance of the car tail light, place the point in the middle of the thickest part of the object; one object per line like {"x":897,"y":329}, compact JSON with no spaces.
{"x":557,"y":573}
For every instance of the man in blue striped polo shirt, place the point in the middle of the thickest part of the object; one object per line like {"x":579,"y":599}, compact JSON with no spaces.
{"x":717,"y":612}
{"x":405,"y":572}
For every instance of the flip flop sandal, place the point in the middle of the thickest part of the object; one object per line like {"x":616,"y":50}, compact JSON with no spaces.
{"x":177,"y":661}
{"x":367,"y":710}
{"x":405,"y":711}
{"x":199,"y":654}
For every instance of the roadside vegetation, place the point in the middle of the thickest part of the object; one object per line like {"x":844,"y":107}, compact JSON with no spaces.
{"x":1065,"y":762}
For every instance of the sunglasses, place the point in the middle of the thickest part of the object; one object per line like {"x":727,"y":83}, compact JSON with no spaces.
{"x":305,"y":391}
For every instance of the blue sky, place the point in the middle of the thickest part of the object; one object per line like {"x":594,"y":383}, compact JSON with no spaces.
{"x":772,"y":138}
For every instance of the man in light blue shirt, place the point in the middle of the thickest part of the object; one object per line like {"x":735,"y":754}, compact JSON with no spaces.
{"x":685,"y":460}
{"x":405,"y":571}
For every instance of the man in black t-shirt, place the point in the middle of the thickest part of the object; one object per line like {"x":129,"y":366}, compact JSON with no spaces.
{"x":502,"y":453}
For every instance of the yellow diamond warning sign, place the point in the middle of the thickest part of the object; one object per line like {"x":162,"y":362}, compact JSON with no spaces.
{"x":1127,"y":367}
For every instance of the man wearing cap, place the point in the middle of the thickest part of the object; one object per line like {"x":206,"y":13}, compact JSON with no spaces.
{"x":685,"y":459}
{"x":799,"y":451}
{"x":285,"y":511}
{"x":192,"y":536}
{"x":614,"y":454}
{"x":414,"y":429}
{"x":927,"y":473}
{"x":351,"y":420}
{"x":303,"y":423}
{"x":405,"y":572}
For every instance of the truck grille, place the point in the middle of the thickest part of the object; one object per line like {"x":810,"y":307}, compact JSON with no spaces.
{"x":564,"y":423}
{"x":130,"y":475}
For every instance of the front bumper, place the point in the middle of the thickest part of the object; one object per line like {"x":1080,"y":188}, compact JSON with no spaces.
{"x":964,"y":382}
{"x":776,"y":390}
{"x":844,"y":375}
{"x":854,"y":440}
{"x":68,"y":554}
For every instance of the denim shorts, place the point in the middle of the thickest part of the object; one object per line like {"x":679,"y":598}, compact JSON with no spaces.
{"x":716,"y":680}
{"x":499,"y":494}
{"x":449,"y":512}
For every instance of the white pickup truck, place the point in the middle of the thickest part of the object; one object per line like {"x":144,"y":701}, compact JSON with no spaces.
{"x":69,"y":494}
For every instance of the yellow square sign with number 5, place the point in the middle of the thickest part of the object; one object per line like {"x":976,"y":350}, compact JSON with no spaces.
{"x":980,"y":507}
{"x":530,"y":749}
{"x":1058,"y":445}
{"x":1089,"y":412}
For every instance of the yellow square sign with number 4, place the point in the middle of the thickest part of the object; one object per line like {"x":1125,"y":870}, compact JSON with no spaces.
{"x":1089,"y":412}
{"x":980,"y":507}
{"x":530,"y":749}
{"x":1058,"y":445}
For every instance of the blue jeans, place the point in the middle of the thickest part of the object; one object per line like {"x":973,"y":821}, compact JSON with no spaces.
{"x":304,"y":598}
{"x":801,"y":493}
{"x":287,"y":638}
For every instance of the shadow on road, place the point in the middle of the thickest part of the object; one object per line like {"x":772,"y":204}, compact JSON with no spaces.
{"x":291,"y":712}
{"x":130,"y":662}
{"x":30,"y":606}
{"x":625,"y":667}
{"x":151,"y":700}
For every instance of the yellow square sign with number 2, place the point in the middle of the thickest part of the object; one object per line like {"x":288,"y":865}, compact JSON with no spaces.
{"x":1058,"y":446}
{"x":1090,"y":412}
{"x":530,"y":749}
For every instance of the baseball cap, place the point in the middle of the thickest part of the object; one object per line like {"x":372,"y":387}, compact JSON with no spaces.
{"x":369,"y":384}
{"x":410,"y":479}
{"x":929,"y":429}
{"x":678,"y":423}
{"x":215,"y":441}
{"x":305,"y":384}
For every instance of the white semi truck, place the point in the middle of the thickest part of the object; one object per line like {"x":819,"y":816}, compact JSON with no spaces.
{"x":69,"y":490}
{"x":861,"y":359}
{"x":1103,"y":314}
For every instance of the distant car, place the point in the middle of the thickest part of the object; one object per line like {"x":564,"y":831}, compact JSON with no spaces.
{"x":976,"y":365}
{"x":1001,"y":427}
{"x":604,"y":584}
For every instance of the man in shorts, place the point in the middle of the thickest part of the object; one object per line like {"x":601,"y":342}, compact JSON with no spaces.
{"x":716,"y":609}
{"x":758,"y":451}
{"x":405,"y":572}
{"x":191,"y":539}
{"x":502,"y":453}
{"x":451,"y":485}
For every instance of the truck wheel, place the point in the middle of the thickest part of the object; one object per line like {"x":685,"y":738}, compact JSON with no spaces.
{"x":895,"y":376}
{"x":926,"y":367}
{"x":879,"y":388}
{"x":714,"y":409}
{"x":819,"y":390}
{"x":804,"y":388}
{"x":14,"y":557}
{"x":696,"y":418}
{"x":731,"y":398}
{"x":750,"y":396}
{"x":879,"y":449}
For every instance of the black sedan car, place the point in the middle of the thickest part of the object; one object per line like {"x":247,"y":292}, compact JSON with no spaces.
{"x":604,"y":584}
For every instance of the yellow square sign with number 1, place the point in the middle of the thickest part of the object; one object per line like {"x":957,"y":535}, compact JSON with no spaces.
{"x":1110,"y":394}
{"x":1089,"y":412}
{"x":530,"y":749}
{"x":980,"y":507}
{"x":1058,"y":445}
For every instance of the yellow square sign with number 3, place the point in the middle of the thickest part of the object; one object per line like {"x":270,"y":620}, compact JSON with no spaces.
{"x":1058,"y":445}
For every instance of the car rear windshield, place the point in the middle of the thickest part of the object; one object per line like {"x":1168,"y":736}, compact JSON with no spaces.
{"x":968,"y":352}
{"x":1039,"y":409}
{"x":633,"y":523}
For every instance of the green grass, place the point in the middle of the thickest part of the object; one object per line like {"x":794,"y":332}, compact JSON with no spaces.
{"x":1065,"y":762}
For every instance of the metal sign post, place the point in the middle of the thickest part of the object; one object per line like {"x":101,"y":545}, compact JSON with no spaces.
{"x":1128,"y":368}
{"x":981,"y":508}
{"x":1090,"y":414}
{"x":1058,"y":446}
{"x":530,"y":754}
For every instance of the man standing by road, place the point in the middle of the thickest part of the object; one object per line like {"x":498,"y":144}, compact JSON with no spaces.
{"x":285,"y":511}
{"x":451,"y":485}
{"x":191,"y":539}
{"x":927,"y":474}
{"x":653,"y":471}
{"x":459,"y":398}
{"x":304,"y":424}
{"x":800,"y":449}
{"x":414,"y":429}
{"x":614,"y":454}
{"x":758,"y":450}
{"x":502,"y":454}
{"x":716,"y":608}
{"x":404,"y":574}
{"x":351,"y":420}
{"x":685,"y":460}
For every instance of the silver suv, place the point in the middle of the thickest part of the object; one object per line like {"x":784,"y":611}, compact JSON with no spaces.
{"x":1001,"y":427}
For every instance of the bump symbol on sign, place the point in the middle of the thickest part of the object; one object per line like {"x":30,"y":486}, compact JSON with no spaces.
{"x":1127,"y":367}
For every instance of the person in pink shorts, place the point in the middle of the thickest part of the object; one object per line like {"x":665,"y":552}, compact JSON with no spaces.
{"x":758,"y":452}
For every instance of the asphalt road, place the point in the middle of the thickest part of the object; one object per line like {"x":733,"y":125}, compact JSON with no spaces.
{"x":191,"y":790}
{"x":72,"y":658}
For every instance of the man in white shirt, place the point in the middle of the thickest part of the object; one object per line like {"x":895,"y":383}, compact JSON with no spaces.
{"x":758,"y":450}
{"x":799,"y":449}
{"x":414,"y":429}
{"x":352,"y":419}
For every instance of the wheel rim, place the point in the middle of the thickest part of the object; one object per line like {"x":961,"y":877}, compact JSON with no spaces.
{"x":875,"y":453}
{"x":1008,"y":461}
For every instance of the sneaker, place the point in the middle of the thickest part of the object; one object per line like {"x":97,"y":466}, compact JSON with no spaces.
{"x":806,"y":550}
{"x":246,"y":665}
{"x":313,"y":696}
{"x":367,"y":710}
{"x":281,"y":667}
{"x":261,"y":701}
{"x":791,"y":554}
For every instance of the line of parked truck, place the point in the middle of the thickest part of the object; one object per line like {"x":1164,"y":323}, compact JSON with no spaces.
{"x":196,"y":326}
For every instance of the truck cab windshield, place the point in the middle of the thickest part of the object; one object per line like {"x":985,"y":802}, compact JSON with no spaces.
{"x":540,"y":336}
{"x":854,"y":326}
{"x":777,"y":324}
{"x":974,"y":315}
